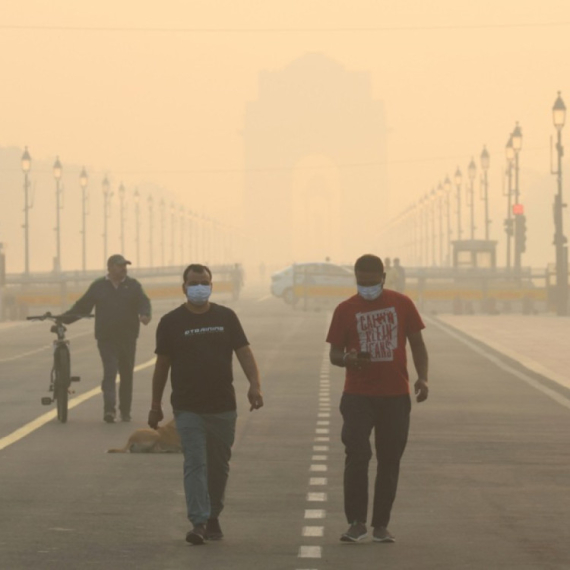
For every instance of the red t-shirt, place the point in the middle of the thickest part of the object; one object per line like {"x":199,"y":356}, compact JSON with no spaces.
{"x":381,"y":328}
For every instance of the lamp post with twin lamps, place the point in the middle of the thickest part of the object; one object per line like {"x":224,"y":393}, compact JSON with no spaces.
{"x":26,"y":165}
{"x":560,"y":241}
{"x":57,"y":175}
{"x":83,"y":183}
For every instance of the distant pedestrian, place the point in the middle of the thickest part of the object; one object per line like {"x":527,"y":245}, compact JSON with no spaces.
{"x":120,"y":306}
{"x":368,"y":335}
{"x":400,"y":276}
{"x":237,"y":281}
{"x":195,"y":343}
{"x":391,"y":277}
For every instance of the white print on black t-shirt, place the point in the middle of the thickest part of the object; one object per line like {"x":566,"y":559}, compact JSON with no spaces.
{"x":204,"y":330}
{"x":378,"y":333}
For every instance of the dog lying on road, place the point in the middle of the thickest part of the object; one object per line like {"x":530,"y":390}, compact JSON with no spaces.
{"x":164,"y":439}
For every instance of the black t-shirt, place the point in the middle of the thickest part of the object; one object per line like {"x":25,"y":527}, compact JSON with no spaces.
{"x":201,"y":348}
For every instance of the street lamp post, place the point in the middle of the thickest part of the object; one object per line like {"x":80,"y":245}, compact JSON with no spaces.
{"x":172,"y":232}
{"x":83,"y":183}
{"x":516,"y":138}
{"x":162,"y":213}
{"x":137,"y":226}
{"x":57,"y":175}
{"x":433,"y":199}
{"x":457,"y":179}
{"x":485,"y":161}
{"x":182,"y":218}
{"x":150,"y":230}
{"x":122,"y":192}
{"x":106,"y":196}
{"x":471,"y":172}
{"x":440,"y":206}
{"x":510,"y":154}
{"x":26,"y":165}
{"x":447,"y":189}
{"x":560,"y":241}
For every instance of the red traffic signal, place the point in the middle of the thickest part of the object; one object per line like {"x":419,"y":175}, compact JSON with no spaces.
{"x":518,"y":209}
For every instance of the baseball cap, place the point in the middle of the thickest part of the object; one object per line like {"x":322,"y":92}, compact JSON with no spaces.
{"x":117,"y":259}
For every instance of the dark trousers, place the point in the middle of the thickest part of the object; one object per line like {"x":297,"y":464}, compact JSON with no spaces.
{"x":389,"y":417}
{"x":117,"y":355}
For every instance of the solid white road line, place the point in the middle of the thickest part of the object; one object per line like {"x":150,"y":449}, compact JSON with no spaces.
{"x":552,"y":394}
{"x":32,"y":426}
{"x":41,"y":349}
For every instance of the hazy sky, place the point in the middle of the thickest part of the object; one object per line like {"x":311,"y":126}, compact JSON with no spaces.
{"x":157,"y":92}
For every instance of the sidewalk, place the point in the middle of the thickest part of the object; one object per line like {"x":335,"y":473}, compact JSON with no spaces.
{"x":540,"y":343}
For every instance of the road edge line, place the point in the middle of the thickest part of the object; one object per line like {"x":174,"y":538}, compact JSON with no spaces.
{"x":40,"y":421}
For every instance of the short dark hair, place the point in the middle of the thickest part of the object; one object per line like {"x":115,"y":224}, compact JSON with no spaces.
{"x":369,"y":262}
{"x":197,"y":268}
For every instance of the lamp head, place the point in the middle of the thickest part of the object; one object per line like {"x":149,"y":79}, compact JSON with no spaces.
{"x":517,"y":138}
{"x":83,"y":178}
{"x":485,"y":159}
{"x":26,"y":161}
{"x":57,"y":168}
{"x":559,"y":112}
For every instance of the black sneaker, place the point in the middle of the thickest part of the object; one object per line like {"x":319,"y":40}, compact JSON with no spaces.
{"x":213,"y":530}
{"x":125,"y":417}
{"x":109,"y":417}
{"x":382,"y":534}
{"x":356,"y":532}
{"x":197,"y":535}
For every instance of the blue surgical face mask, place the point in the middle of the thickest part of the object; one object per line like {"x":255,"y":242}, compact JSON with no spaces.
{"x":198,"y":294}
{"x":370,"y":293}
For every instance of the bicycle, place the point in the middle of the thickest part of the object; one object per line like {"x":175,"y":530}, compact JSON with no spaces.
{"x":60,"y":377}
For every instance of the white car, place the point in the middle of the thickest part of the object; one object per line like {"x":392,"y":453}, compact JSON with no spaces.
{"x":314,"y":274}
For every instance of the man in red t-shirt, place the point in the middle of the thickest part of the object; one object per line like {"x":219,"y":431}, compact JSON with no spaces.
{"x":368,"y":336}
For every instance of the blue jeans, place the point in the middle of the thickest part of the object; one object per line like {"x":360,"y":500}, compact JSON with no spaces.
{"x":207,"y":441}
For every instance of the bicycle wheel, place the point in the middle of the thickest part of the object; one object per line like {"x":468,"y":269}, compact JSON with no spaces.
{"x":62,"y":379}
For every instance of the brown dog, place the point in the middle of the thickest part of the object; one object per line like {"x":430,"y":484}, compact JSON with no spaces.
{"x":164,"y":439}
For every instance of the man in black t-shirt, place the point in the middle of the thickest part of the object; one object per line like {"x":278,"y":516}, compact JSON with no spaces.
{"x":195,"y":343}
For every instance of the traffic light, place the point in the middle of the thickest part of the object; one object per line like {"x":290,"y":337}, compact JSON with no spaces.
{"x":508,"y":223}
{"x":520,"y":232}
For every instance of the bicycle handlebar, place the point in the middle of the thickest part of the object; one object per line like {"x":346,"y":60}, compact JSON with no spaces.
{"x":56,"y":318}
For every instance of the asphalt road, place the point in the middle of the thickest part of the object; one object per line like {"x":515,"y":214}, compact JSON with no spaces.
{"x":484,"y":481}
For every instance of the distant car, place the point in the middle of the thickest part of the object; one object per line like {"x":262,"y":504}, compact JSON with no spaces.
{"x":320,"y":274}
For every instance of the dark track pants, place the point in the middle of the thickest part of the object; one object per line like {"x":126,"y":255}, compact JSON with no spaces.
{"x":389,"y":417}
{"x":117,"y":355}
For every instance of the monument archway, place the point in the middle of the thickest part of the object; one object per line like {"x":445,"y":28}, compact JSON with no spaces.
{"x":315,"y":146}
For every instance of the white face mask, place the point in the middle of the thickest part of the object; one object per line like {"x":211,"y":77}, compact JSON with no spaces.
{"x":198,"y":294}
{"x":370,"y":293}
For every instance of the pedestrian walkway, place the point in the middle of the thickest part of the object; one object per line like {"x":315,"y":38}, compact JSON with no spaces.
{"x":537,"y":342}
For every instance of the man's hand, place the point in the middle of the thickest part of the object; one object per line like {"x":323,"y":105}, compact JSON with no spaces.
{"x":144,"y":319}
{"x":155,"y":416}
{"x":354,"y":362}
{"x":421,"y":389}
{"x":255,"y":398}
